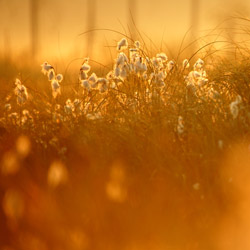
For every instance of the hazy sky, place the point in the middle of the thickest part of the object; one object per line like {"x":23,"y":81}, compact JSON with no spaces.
{"x":61,"y":22}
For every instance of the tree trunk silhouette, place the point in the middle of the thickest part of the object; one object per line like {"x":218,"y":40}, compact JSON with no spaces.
{"x":34,"y":4}
{"x":195,"y":9}
{"x":132,"y":17}
{"x":91,"y":20}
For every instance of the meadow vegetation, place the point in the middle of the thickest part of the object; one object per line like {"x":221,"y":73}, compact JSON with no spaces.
{"x":151,"y":154}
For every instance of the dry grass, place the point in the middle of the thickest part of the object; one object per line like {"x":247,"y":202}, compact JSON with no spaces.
{"x":142,"y":165}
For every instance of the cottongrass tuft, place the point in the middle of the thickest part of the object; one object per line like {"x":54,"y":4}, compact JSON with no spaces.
{"x":46,"y":67}
{"x":180,"y":125}
{"x":56,"y":88}
{"x":21,"y":92}
{"x":185,"y":64}
{"x":234,"y":109}
{"x":122,"y":44}
{"x":48,"y":70}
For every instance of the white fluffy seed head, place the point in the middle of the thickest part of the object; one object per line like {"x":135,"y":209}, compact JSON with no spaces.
{"x":121,"y":59}
{"x":198,"y":64}
{"x":110,"y":75}
{"x":7,"y":107}
{"x":46,"y":67}
{"x":85,"y":84}
{"x":185,"y":64}
{"x":21,"y":92}
{"x":93,"y":78}
{"x":170,"y":65}
{"x":234,"y":109}
{"x":162,"y":56}
{"x":69,"y":107}
{"x":137,"y":44}
{"x":83,"y":75}
{"x":56,"y":88}
{"x":238,"y":99}
{"x":123,"y":73}
{"x":55,"y":84}
{"x":116,"y":71}
{"x":59,"y":77}
{"x":51,"y":74}
{"x":180,"y":125}
{"x":85,"y":67}
{"x":122,"y":44}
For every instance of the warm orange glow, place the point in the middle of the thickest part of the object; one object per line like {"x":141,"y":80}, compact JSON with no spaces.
{"x":124,"y":125}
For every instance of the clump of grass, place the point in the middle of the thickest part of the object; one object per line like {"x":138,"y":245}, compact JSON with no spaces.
{"x":128,"y":156}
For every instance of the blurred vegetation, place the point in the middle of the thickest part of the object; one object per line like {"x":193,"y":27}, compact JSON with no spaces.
{"x":146,"y":157}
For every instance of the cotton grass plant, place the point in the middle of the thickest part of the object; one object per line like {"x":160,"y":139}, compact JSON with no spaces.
{"x":138,"y":148}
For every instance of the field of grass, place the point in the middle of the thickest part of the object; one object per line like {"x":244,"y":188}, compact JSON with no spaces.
{"x":152,"y":154}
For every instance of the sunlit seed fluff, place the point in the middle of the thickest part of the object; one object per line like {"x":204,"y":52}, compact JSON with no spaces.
{"x":194,"y":74}
{"x":59,"y":77}
{"x":103,"y":87}
{"x":162,"y":56}
{"x":46,"y":67}
{"x":122,"y":44}
{"x":69,"y":107}
{"x":123,"y":73}
{"x":110,"y":75}
{"x":76,"y":102}
{"x":26,"y":112}
{"x":137,"y":44}
{"x":13,"y":116}
{"x":55,"y":85}
{"x":7,"y":107}
{"x":157,"y":62}
{"x":85,"y":67}
{"x":93,"y":80}
{"x":185,"y":64}
{"x":121,"y":59}
{"x":51,"y":74}
{"x":85,"y":84}
{"x":83,"y":75}
{"x":95,"y":116}
{"x":170,"y":65}
{"x":86,"y":60}
{"x":57,"y":107}
{"x":238,"y":99}
{"x":112,"y":85}
{"x":140,"y":67}
{"x":180,"y":125}
{"x":102,"y":81}
{"x":198,"y":64}
{"x":201,"y":82}
{"x":133,"y":54}
{"x":21,"y":92}
{"x":161,"y":76}
{"x":200,"y":61}
{"x":116,"y":71}
{"x":234,"y":109}
{"x":56,"y":88}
